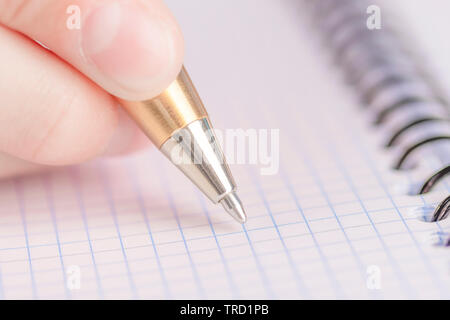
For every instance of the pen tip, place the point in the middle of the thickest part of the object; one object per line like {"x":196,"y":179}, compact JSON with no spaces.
{"x":233,"y":206}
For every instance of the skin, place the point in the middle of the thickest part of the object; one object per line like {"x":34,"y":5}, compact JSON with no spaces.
{"x":57,"y":105}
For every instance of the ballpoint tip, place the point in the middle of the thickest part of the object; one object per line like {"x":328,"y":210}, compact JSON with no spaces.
{"x":233,"y":206}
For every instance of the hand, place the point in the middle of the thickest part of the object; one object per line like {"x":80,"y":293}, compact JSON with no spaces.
{"x":56,"y":105}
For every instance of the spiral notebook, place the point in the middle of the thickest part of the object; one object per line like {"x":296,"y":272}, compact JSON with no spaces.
{"x":362,"y":173}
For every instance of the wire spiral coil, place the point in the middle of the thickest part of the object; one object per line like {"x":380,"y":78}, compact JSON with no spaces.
{"x":400,"y":96}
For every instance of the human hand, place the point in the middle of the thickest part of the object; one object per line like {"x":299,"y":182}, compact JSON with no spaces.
{"x":57,"y":107}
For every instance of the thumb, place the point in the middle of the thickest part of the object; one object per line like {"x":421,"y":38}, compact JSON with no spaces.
{"x":131,"y":48}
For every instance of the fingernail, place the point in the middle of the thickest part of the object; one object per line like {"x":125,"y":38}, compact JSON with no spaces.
{"x":128,"y":43}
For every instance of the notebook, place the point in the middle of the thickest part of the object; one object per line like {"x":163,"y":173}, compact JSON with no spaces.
{"x":329,"y":218}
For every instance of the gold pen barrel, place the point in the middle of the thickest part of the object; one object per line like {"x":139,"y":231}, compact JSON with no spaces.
{"x":175,"y":108}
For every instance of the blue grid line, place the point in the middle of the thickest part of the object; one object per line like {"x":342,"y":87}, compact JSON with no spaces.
{"x":113,"y":212}
{"x":244,"y":190}
{"x":231,"y":281}
{"x":174,"y":210}
{"x":303,"y":290}
{"x":374,"y":170}
{"x":140,"y":201}
{"x":252,"y":217}
{"x":318,"y":181}
{"x":403,"y":280}
{"x":335,"y":284}
{"x":51,"y":207}
{"x":247,"y":205}
{"x":261,"y":271}
{"x":19,"y":193}
{"x":258,"y":241}
{"x":391,"y":201}
{"x":306,"y":261}
{"x":209,"y":237}
{"x":388,"y":209}
{"x":273,"y":252}
{"x":76,"y":186}
{"x":417,"y":244}
{"x":2,"y":293}
{"x":217,"y":223}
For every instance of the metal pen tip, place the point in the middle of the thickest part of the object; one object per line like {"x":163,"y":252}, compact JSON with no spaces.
{"x":233,"y":206}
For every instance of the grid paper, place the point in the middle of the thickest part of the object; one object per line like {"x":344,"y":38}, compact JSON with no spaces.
{"x":137,"y":229}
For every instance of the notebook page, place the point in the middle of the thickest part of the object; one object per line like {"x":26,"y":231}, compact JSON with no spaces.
{"x":332,"y":222}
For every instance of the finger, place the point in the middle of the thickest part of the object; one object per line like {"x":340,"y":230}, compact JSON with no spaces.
{"x":11,"y":166}
{"x":49,"y":112}
{"x":127,"y":138}
{"x":133,"y":49}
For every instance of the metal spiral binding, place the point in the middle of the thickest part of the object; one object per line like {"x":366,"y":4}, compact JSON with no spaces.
{"x":398,"y":93}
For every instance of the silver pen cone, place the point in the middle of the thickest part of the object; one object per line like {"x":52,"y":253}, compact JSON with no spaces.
{"x":195,"y":151}
{"x":233,"y":206}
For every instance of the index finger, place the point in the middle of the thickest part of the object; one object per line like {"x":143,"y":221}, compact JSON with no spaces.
{"x":133,"y":49}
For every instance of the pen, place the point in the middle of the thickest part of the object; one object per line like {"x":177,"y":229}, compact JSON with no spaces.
{"x":177,"y":123}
